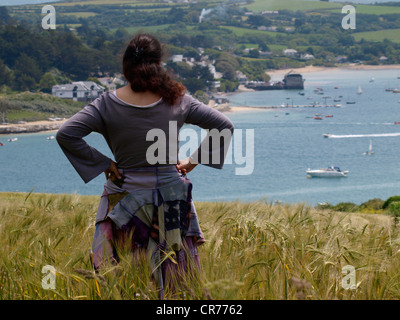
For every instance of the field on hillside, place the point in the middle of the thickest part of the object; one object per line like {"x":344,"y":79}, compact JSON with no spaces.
{"x":254,"y":250}
{"x":392,"y":34}
{"x":30,"y":106}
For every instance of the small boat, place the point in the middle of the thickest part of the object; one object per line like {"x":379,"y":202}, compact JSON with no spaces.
{"x":1,"y":144}
{"x":301,"y":93}
{"x":330,"y":172}
{"x":337,"y":105}
{"x":396,"y":90}
{"x":327,"y":135}
{"x":397,"y":122}
{"x":12,"y":139}
{"x":329,"y":116}
{"x":336,"y":87}
{"x":369,"y":152}
{"x":372,"y":79}
{"x":350,"y":102}
{"x":359,"y":90}
{"x":50,"y":138}
{"x":317,"y":118}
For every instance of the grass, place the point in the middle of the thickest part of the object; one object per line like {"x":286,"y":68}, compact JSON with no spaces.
{"x":96,"y":2}
{"x":80,"y":14}
{"x":152,"y":29}
{"x":133,"y":3}
{"x":309,"y":6}
{"x":242,"y":31}
{"x":30,"y":106}
{"x":378,"y":10}
{"x":255,"y":250}
{"x":391,"y":34}
{"x":294,"y":5}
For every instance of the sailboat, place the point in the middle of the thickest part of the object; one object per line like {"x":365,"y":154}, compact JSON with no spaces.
{"x":369,"y":152}
{"x":359,"y":90}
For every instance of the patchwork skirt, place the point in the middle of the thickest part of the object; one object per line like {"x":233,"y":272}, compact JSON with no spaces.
{"x":152,"y":209}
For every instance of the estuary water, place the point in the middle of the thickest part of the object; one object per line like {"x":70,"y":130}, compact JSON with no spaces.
{"x":287,"y":141}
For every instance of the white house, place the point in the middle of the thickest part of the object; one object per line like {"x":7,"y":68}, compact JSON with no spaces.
{"x":177,"y":58}
{"x":108,"y":82}
{"x":307,"y":56}
{"x":290,"y":52}
{"x":241,"y":77}
{"x":78,"y":91}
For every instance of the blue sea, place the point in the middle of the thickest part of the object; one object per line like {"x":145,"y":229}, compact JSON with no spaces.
{"x":287,"y":141}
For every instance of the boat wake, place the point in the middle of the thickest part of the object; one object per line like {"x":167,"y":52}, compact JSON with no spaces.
{"x":335,"y":136}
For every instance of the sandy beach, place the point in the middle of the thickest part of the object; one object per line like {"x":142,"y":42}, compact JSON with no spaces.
{"x":280,"y":73}
{"x":53,"y":126}
{"x":31,"y":127}
{"x":247,"y":109}
{"x":47,"y":125}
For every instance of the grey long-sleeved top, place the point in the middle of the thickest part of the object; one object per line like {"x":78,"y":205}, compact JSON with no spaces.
{"x":125,"y":127}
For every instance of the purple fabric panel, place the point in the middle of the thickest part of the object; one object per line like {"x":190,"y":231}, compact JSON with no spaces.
{"x":102,"y":249}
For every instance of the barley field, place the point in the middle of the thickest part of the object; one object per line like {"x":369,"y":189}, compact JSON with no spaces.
{"x":254,"y":251}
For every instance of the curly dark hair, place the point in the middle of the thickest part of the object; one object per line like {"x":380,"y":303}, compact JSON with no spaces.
{"x":142,"y":69}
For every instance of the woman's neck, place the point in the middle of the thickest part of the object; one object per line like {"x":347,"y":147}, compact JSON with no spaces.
{"x":137,"y":98}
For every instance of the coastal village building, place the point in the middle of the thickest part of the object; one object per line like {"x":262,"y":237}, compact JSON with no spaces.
{"x":108,"y":83}
{"x":290,"y":52}
{"x":78,"y":91}
{"x":307,"y":56}
{"x":293,"y":81}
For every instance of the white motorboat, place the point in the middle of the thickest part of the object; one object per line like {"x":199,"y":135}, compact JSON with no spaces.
{"x":12,"y":139}
{"x":50,"y":138}
{"x":330,"y":172}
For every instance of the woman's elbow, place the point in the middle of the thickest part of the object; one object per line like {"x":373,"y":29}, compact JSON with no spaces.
{"x":61,"y":136}
{"x":230,"y":126}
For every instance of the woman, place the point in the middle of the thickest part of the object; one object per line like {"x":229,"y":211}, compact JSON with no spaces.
{"x":145,"y":203}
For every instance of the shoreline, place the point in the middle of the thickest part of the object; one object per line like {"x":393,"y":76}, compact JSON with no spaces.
{"x":309,"y":69}
{"x":246,"y":109}
{"x":31,"y":127}
{"x":54,"y":125}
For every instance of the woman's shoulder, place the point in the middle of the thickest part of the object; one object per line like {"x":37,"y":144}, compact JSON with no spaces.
{"x":188,"y":101}
{"x":101,"y":101}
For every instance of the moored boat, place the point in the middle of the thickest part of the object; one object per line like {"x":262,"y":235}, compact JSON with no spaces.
{"x":330,"y":172}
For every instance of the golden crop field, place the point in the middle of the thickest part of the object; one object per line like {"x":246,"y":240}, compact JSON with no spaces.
{"x":254,"y":250}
